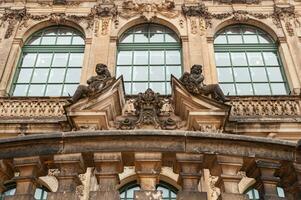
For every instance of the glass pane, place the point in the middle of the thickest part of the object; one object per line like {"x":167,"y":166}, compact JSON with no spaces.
{"x":63,"y":40}
{"x":51,"y":31}
{"x":141,"y":38}
{"x":170,"y":37}
{"x":24,"y":76}
{"x":48,"y":40}
{"x":156,"y":57}
{"x":265,"y":39}
{"x":241,"y":74}
{"x":270,"y":58}
{"x":36,"y":90}
{"x":64,"y":31}
{"x":157,"y":73}
{"x":255,"y":58}
{"x":239,"y":59}
{"x":250,"y":194}
{"x":127,"y":88}
{"x":10,"y":192}
{"x":56,"y":76}
{"x":173,"y":57}
{"x":34,"y":41}
{"x":256,"y":194}
{"x":174,"y":70}
{"x":140,"y":74}
{"x":258,"y":74}
{"x":126,"y":72}
{"x":222,"y":59}
{"x":165,"y":192}
{"x":228,"y":89}
{"x":221,"y":39}
{"x":40,"y":76}
{"x":53,"y":90}
{"x":44,"y":60}
{"x":158,"y":87}
{"x":28,"y":59}
{"x":168,"y":88}
{"x":278,"y":89}
{"x":127,"y":38}
{"x":141,"y":29}
{"x":140,"y":57}
{"x":20,"y":90}
{"x":156,"y":29}
{"x":139,"y":87}
{"x":262,"y":89}
{"x":76,"y":59}
{"x":69,"y":89}
{"x":234,"y":39}
{"x":244,"y":89}
{"x":233,"y":30}
{"x":60,"y":60}
{"x":280,"y":192}
{"x":38,"y":193}
{"x":224,"y":74}
{"x":250,"y":39}
{"x":275,"y":74}
{"x":73,"y":75}
{"x":156,"y":37}
{"x":124,"y":58}
{"x":45,"y":195}
{"x":77,"y":40}
{"x":249,"y":30}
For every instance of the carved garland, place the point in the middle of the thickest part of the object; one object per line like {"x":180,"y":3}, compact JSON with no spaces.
{"x":21,"y":16}
{"x":286,"y":14}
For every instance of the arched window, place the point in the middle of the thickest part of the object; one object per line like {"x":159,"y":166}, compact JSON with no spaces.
{"x":147,"y":55}
{"x":254,"y":194}
{"x":248,"y":62}
{"x":40,"y":193}
{"x":50,"y":63}
{"x":168,"y":192}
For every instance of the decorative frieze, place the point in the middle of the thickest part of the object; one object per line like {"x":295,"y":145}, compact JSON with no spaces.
{"x":31,"y":107}
{"x":265,"y":107}
{"x":131,"y":8}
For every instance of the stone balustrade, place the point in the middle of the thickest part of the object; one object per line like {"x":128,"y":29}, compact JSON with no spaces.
{"x":188,"y":153}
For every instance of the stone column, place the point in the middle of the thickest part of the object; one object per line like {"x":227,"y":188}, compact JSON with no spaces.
{"x":6,"y":173}
{"x":107,"y":168}
{"x":189,"y":168}
{"x":70,"y":166}
{"x":29,"y":169}
{"x":227,"y":168}
{"x":263,"y":170}
{"x":148,"y":168}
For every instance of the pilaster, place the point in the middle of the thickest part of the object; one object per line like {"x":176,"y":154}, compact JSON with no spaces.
{"x":107,"y":168}
{"x":148,"y":168}
{"x":189,"y":168}
{"x":70,"y":166}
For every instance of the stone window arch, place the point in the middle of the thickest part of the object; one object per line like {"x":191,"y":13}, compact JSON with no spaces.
{"x":169,"y":192}
{"x":248,"y":62}
{"x":50,"y":63}
{"x":147,"y":55}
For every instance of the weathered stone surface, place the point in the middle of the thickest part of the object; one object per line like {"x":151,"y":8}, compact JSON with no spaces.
{"x":23,"y":197}
{"x":62,"y":196}
{"x":147,"y":195}
{"x":191,"y":195}
{"x":225,"y":196}
{"x":104,"y":195}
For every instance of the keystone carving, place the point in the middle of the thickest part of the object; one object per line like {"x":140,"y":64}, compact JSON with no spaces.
{"x":96,"y":84}
{"x":194,"y":83}
{"x":147,"y":10}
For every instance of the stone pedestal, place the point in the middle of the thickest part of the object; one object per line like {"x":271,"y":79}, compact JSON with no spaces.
{"x":62,"y":196}
{"x":191,"y":195}
{"x":189,"y":168}
{"x":225,"y":196}
{"x":104,"y":195}
{"x":20,"y":197}
{"x":147,"y":195}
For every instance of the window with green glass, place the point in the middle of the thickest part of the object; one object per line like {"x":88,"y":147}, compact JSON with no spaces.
{"x":40,"y":193}
{"x":248,"y":62}
{"x":50,"y":63}
{"x":253,"y":193}
{"x":147,"y":56}
{"x":168,"y":191}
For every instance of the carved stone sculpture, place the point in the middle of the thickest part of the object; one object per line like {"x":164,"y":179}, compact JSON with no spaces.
{"x":96,"y":84}
{"x":194,"y":83}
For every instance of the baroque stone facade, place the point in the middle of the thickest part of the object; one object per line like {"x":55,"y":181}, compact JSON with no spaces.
{"x":202,"y":143}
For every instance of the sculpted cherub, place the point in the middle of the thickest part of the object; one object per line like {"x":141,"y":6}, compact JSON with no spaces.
{"x":96,"y":83}
{"x":194,"y":83}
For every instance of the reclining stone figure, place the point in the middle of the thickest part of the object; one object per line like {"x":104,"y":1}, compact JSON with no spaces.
{"x":194,"y":83}
{"x":96,"y":84}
